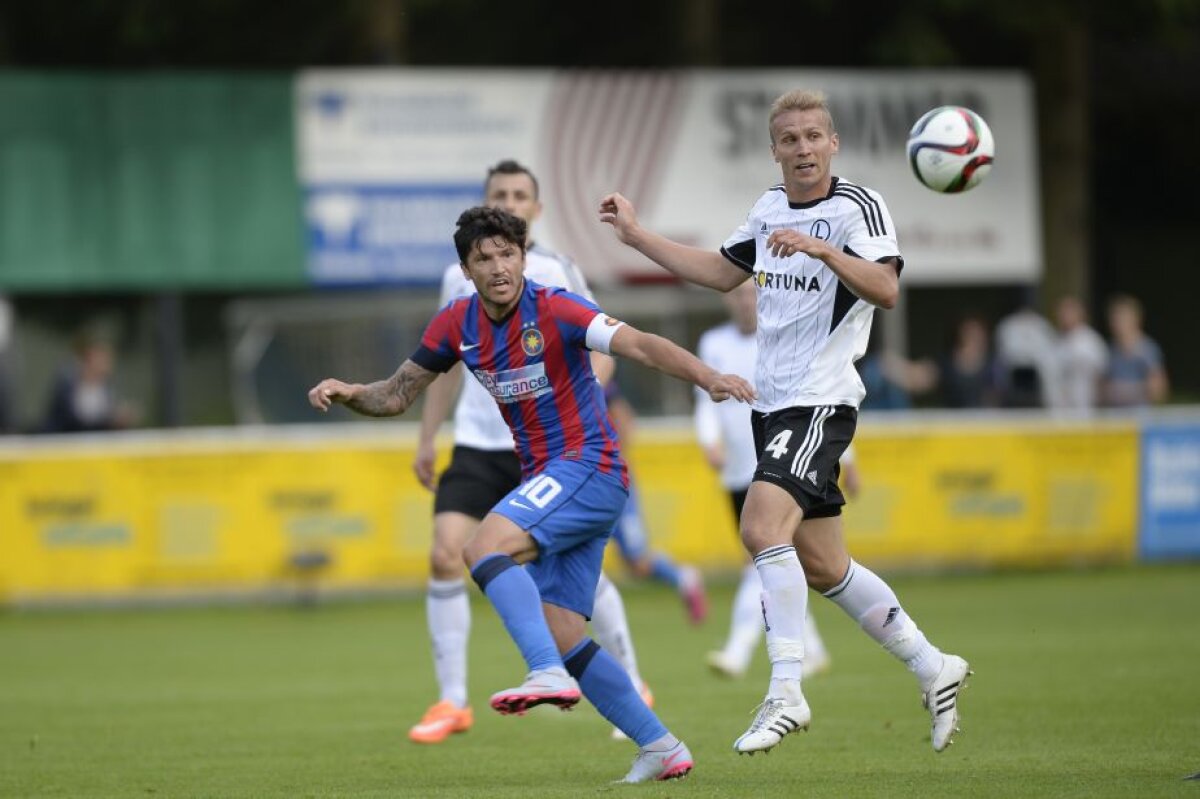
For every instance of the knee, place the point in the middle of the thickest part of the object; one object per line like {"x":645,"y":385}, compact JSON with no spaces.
{"x":568,"y":635}
{"x":475,"y":551}
{"x":756,"y":538}
{"x":445,"y":561}
{"x":822,"y":573}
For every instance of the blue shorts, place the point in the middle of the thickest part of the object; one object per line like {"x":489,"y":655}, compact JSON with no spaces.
{"x":570,"y":509}
{"x":630,"y":533}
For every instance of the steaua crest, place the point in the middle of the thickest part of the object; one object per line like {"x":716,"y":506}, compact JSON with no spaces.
{"x":532,"y":341}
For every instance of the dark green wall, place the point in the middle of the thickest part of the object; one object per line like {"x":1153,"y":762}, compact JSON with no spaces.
{"x":148,"y":181}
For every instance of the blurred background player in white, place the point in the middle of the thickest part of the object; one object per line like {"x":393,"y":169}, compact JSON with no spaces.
{"x":631,"y":536}
{"x":1025,"y":349}
{"x":823,"y":253}
{"x":727,"y":439}
{"x":1080,"y":358}
{"x":483,"y":469}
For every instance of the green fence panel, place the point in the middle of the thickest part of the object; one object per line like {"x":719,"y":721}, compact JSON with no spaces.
{"x":148,"y":181}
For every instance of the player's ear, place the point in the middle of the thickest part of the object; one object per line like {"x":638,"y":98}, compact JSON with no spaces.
{"x":774,"y":154}
{"x":833,"y":140}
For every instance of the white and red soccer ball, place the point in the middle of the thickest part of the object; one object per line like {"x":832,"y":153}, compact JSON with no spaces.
{"x":951,"y":149}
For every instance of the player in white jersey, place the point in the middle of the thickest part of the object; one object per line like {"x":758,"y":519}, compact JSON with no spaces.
{"x":725,"y":435}
{"x":822,"y":254}
{"x":483,"y":469}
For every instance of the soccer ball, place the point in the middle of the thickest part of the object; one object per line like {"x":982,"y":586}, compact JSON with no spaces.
{"x":951,"y":149}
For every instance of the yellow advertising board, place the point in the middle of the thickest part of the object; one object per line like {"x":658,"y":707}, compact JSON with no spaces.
{"x":241,"y":511}
{"x":934,"y":494}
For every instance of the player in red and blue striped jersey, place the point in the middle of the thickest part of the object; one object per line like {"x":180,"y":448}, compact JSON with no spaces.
{"x":528,"y":345}
{"x":536,"y":365}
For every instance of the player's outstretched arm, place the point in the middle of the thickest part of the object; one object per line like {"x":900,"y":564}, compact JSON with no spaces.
{"x":702,"y":267}
{"x":669,"y":358}
{"x":390,"y":397}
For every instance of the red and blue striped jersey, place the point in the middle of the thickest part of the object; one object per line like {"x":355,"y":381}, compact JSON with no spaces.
{"x":536,"y":365}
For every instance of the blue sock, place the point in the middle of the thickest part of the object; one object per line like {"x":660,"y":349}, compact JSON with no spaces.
{"x":665,"y":571}
{"x":608,"y":687}
{"x":515,"y":597}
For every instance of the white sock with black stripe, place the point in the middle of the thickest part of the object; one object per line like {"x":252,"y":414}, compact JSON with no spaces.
{"x":873,"y":604}
{"x":784,"y":600}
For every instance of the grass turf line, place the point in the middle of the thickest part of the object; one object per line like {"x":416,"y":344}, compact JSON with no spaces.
{"x":1085,"y":686}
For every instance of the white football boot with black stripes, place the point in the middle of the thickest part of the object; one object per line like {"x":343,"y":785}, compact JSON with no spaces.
{"x":774,"y":720}
{"x":941,"y":700}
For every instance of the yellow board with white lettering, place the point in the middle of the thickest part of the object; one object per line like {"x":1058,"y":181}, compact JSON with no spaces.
{"x":233,"y":512}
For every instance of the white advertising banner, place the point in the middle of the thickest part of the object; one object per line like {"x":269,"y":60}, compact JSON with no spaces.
{"x":389,"y":158}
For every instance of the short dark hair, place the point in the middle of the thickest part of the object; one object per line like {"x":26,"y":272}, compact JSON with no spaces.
{"x":511,"y":167}
{"x":487,"y":223}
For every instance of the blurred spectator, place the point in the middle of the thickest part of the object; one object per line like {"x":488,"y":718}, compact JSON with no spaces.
{"x":1080,"y":358}
{"x":7,"y":412}
{"x":1025,"y":350}
{"x":969,"y":375}
{"x":1136,"y":373}
{"x":83,"y":398}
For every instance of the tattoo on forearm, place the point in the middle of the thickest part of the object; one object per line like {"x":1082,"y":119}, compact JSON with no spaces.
{"x":393,"y":396}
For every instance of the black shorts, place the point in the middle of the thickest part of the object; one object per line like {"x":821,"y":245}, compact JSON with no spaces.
{"x":476,"y":480}
{"x":798,"y":450}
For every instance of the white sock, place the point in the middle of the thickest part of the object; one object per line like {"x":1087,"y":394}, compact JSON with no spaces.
{"x":746,"y":622}
{"x":448,"y":611}
{"x":814,"y":645}
{"x":663,"y":744}
{"x":611,"y":628}
{"x":869,"y":601}
{"x":784,"y":601}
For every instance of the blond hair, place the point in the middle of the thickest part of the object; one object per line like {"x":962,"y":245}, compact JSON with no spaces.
{"x":799,"y":100}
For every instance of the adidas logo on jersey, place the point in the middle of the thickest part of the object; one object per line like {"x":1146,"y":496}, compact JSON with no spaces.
{"x":770,"y":280}
{"x":812,"y":476}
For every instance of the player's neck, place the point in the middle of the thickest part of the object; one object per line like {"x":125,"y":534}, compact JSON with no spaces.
{"x":807,"y":194}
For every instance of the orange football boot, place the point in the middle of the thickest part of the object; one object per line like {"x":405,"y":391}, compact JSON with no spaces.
{"x":440,"y":722}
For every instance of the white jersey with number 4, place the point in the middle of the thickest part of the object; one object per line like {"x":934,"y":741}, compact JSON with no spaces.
{"x":811,"y":327}
{"x":477,"y":420}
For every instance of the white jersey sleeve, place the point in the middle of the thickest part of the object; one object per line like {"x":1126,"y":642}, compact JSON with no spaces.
{"x":739,"y":248}
{"x":872,"y":235}
{"x":454,"y":285}
{"x":574,"y":280}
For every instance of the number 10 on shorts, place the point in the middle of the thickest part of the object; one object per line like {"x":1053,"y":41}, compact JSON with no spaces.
{"x":541,"y":490}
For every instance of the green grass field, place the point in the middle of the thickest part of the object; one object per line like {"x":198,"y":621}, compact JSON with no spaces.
{"x":1087,"y":684}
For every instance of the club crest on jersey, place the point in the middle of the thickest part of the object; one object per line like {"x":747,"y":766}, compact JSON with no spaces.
{"x":770,"y":280}
{"x":532,"y":341}
{"x":820,"y":230}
